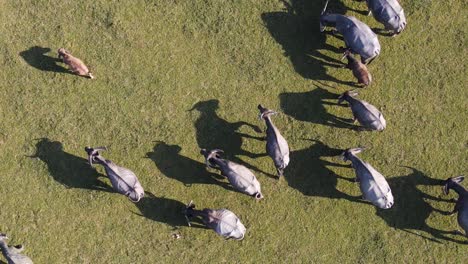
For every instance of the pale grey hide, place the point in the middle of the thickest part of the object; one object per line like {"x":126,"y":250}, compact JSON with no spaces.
{"x":239,"y":176}
{"x":358,"y":36}
{"x":123,"y":180}
{"x":367,"y":115}
{"x":373,"y":185}
{"x":389,"y":13}
{"x":276,"y":146}
{"x":13,"y":254}
{"x":462,"y":203}
{"x":222,"y":221}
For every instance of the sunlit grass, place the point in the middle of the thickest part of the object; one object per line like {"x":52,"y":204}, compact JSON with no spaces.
{"x":154,"y":61}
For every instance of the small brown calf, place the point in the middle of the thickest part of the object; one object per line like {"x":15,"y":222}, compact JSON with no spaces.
{"x":359,"y":69}
{"x":75,"y":65}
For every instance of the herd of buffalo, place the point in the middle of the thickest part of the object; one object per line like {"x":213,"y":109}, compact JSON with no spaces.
{"x":359,"y":40}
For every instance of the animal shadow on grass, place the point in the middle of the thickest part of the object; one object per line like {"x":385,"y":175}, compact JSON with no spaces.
{"x":213,"y":132}
{"x":171,"y":163}
{"x":363,"y":11}
{"x":309,"y":173}
{"x":35,"y":56}
{"x":411,"y":210}
{"x":163,"y":210}
{"x":382,"y":32}
{"x":310,"y":107}
{"x":69,"y":170}
{"x":297,"y":30}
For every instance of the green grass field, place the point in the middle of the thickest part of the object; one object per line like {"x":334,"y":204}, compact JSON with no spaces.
{"x":174,"y":76}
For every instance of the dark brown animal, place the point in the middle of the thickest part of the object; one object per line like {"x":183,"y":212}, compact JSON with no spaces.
{"x":75,"y":65}
{"x":359,"y":69}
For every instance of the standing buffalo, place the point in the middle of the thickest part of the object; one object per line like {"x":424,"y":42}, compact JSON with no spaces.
{"x":222,"y":221}
{"x":276,"y":146}
{"x":123,"y":180}
{"x":358,"y":36}
{"x":373,"y":185}
{"x":367,"y":115}
{"x":238,"y":175}
{"x":462,"y":203}
{"x":388,"y":12}
{"x":13,"y":253}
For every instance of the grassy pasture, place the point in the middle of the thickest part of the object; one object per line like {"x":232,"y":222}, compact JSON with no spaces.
{"x":174,"y":76}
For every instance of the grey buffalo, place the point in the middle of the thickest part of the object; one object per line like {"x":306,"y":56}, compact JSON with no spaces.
{"x":276,"y":146}
{"x":238,"y":175}
{"x":123,"y":180}
{"x":373,"y":185}
{"x":389,"y":13}
{"x":13,"y":253}
{"x":75,"y":65}
{"x":367,"y":115}
{"x":462,"y":203}
{"x":358,"y":37}
{"x":222,"y":221}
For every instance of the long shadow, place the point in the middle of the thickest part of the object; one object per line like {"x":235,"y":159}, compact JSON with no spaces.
{"x":310,"y":107}
{"x":382,"y":32}
{"x":363,"y":8}
{"x":411,"y":210}
{"x":163,"y":210}
{"x":69,"y":170}
{"x":186,"y":170}
{"x":213,"y":132}
{"x":310,"y":174}
{"x":297,"y":30}
{"x":363,"y":12}
{"x":35,"y":56}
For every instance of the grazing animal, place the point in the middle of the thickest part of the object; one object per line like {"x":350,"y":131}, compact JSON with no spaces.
{"x":238,"y":175}
{"x":373,"y":185}
{"x":13,"y":254}
{"x":388,"y":12}
{"x":123,"y":180}
{"x":75,"y":65}
{"x":359,"y":69}
{"x":358,"y":36}
{"x":462,"y":203}
{"x":276,"y":146}
{"x":222,"y":221}
{"x":367,"y":115}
